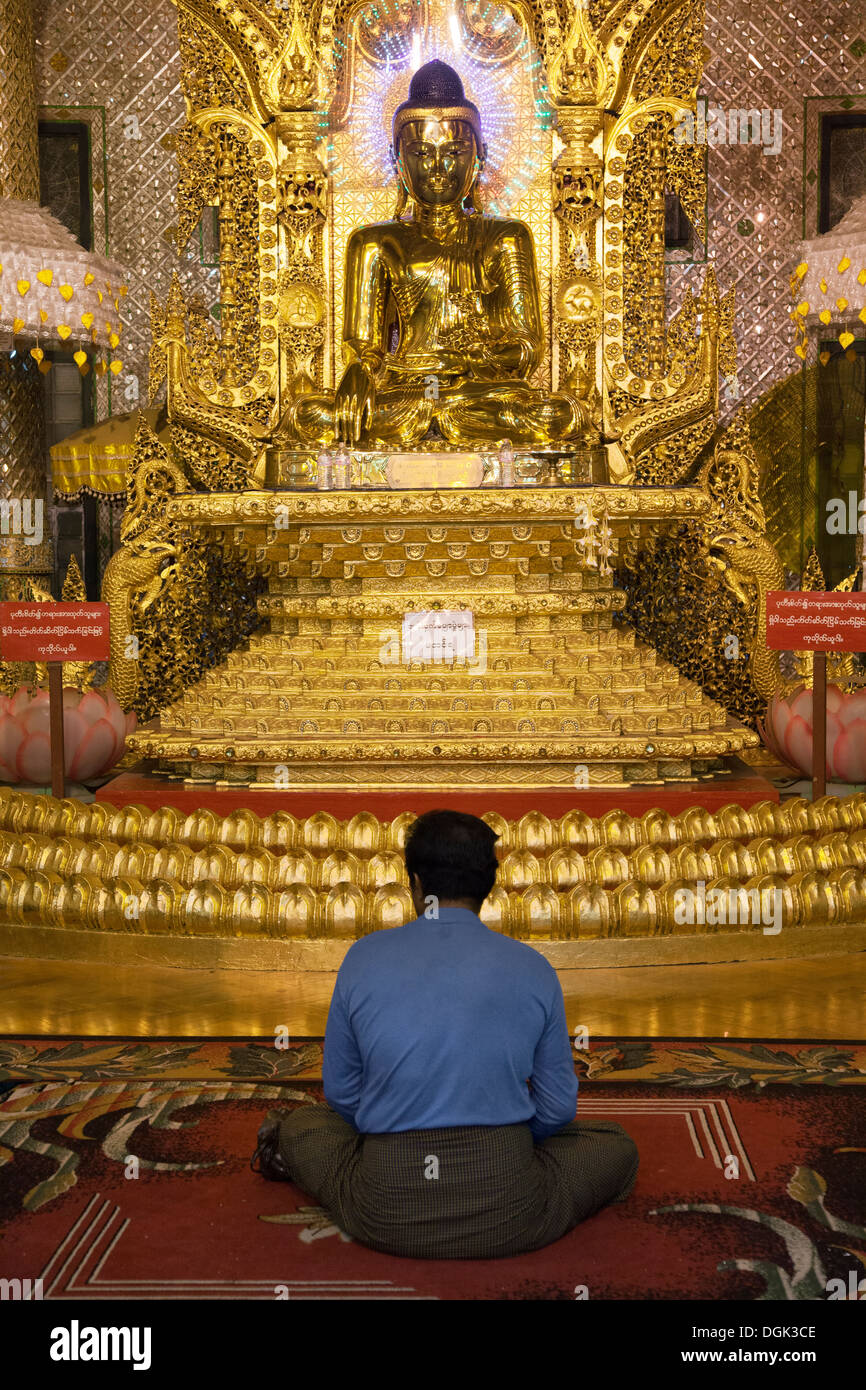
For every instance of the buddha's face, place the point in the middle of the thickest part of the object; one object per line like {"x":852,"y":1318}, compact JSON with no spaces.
{"x":437,"y":160}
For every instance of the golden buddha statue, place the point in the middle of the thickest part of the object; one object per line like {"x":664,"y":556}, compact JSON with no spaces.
{"x":462,"y":288}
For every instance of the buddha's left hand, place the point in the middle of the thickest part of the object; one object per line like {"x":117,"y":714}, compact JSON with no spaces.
{"x":443,"y":360}
{"x":499,"y":356}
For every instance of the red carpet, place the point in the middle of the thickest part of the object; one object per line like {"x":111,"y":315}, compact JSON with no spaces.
{"x":196,"y":1223}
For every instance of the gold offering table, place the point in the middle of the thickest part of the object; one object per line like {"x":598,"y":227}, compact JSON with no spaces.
{"x":555,"y":692}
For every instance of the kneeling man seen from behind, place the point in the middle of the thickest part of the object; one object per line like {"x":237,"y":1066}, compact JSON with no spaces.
{"x":449,"y":1130}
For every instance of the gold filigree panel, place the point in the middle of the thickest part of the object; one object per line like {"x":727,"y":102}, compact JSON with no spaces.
{"x":19,"y":156}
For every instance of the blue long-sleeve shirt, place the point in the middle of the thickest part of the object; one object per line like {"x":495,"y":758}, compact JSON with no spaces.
{"x":442,"y":1023}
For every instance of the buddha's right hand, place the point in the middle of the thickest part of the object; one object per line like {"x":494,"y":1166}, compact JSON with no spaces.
{"x":353,"y":403}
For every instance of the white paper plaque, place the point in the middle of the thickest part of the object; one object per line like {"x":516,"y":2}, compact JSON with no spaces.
{"x":445,"y":635}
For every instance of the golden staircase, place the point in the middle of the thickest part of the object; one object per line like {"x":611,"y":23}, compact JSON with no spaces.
{"x":556,"y":694}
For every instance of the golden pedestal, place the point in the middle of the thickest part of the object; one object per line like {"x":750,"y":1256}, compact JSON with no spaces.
{"x":558,"y":692}
{"x":172,"y":887}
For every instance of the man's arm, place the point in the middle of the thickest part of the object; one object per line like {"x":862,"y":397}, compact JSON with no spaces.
{"x":553,"y":1081}
{"x":342,"y":1068}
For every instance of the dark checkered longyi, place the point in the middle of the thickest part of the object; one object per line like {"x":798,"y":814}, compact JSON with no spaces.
{"x":475,"y":1192}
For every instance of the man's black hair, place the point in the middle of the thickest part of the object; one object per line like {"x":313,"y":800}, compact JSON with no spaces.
{"x":453,"y":855}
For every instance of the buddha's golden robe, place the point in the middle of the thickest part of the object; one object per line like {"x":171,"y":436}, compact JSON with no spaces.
{"x":465,"y":289}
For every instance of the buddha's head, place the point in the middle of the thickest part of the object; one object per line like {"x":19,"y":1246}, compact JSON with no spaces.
{"x":438,"y":151}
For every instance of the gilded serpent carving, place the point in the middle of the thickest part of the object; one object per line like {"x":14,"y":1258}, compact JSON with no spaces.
{"x":752,"y":569}
{"x":738,"y":544}
{"x":137,"y":572}
{"x":133,"y":578}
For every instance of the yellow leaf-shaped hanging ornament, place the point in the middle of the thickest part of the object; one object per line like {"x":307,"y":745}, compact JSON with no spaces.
{"x":843,"y":264}
{"x":89,"y":278}
{"x":45,"y":368}
{"x":99,"y":366}
{"x":861,"y":278}
{"x":846,"y":339}
{"x":17,"y":325}
{"x":862,"y":314}
{"x":43,"y":316}
{"x":123,"y":290}
{"x":45,"y":276}
{"x":115,"y":366}
{"x":87,"y":320}
{"x":37,"y":354}
{"x":822,"y":285}
{"x":825,"y":316}
{"x":800,"y":351}
{"x":801,"y":269}
{"x":113,"y":340}
{"x":23,"y":286}
{"x":67,"y":291}
{"x":63,"y":331}
{"x":99,"y":295}
{"x":803,"y":308}
{"x":79,"y":358}
{"x":823,"y":358}
{"x":841,"y":305}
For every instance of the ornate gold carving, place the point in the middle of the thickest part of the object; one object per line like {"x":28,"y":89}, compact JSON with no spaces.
{"x":581,"y":74}
{"x":301,"y":306}
{"x":19,"y":151}
{"x":738,"y":542}
{"x":702,"y":597}
{"x":647,"y":505}
{"x":137,"y":571}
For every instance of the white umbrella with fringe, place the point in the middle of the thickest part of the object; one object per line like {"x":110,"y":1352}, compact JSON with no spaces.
{"x":53,"y":292}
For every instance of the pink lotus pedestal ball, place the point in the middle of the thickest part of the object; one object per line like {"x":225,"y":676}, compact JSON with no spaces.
{"x":94,"y":734}
{"x":788,"y":732}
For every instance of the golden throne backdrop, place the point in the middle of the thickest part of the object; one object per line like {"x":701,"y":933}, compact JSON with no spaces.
{"x":288,"y":132}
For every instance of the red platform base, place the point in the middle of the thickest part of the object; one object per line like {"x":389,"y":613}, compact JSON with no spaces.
{"x":740,"y":786}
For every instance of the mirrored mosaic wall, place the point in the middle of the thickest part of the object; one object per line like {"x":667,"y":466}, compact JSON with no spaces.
{"x":803,"y":60}
{"x":114,"y":65}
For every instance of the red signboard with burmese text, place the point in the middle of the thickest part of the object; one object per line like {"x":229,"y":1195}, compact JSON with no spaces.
{"x":54,"y":632}
{"x":816,"y":622}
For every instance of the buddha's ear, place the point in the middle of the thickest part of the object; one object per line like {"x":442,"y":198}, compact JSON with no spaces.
{"x":402,"y":199}
{"x":402,"y":190}
{"x":472,"y":202}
